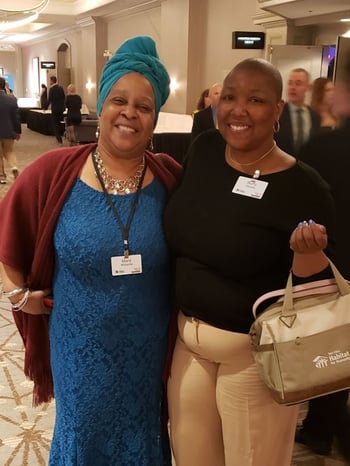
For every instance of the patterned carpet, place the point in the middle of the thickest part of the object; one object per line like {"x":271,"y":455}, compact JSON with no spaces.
{"x":26,"y":432}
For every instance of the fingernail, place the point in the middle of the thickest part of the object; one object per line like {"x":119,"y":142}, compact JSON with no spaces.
{"x":311,"y":222}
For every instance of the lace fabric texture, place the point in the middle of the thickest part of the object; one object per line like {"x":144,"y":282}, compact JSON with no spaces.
{"x":108,"y":333}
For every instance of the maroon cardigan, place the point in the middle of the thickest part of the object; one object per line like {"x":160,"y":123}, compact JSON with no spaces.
{"x":28,"y":216}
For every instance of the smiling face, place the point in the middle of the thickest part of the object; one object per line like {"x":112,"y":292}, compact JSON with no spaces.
{"x":127,"y":116}
{"x":249,"y":105}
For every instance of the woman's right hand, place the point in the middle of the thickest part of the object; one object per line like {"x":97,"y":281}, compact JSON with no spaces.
{"x":35,"y":304}
{"x":308,"y":238}
{"x":14,"y":279}
{"x":308,"y":242}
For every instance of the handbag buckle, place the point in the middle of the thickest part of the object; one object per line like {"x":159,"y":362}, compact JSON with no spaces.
{"x":288,"y":319}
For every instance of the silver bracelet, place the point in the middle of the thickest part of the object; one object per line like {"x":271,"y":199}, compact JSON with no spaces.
{"x":22,"y":302}
{"x":15,"y":292}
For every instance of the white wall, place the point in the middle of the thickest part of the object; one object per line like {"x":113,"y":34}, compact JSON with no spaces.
{"x":8,"y":61}
{"x":122,"y":28}
{"x":224,"y":18}
{"x":46,"y":51}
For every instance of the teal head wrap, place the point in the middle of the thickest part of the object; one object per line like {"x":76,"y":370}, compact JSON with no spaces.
{"x":139,"y":55}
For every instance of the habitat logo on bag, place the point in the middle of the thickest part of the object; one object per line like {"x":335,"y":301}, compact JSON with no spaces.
{"x":334,"y":357}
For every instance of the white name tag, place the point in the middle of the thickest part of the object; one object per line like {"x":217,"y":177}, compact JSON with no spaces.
{"x":126,"y":265}
{"x":250,"y":187}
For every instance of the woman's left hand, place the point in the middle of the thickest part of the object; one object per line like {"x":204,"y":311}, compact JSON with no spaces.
{"x":309,"y":237}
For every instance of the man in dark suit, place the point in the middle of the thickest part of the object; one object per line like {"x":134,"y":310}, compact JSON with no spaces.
{"x":206,"y":119}
{"x":328,"y":417}
{"x":10,"y":130}
{"x":298,"y":121}
{"x":57,"y":102}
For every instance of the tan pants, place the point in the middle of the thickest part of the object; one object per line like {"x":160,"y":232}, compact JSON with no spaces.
{"x":221,"y":414}
{"x":7,"y":152}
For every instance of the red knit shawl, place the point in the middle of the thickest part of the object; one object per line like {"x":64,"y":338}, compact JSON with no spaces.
{"x":28,"y":216}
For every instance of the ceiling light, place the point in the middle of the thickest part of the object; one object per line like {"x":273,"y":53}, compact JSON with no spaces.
{"x":11,"y":19}
{"x":345,"y":20}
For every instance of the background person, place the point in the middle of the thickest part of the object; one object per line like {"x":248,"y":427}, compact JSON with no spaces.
{"x":239,"y":241}
{"x":43,"y":97}
{"x":10,"y":131}
{"x":322,"y":102}
{"x":56,"y":100}
{"x":93,"y":218}
{"x":8,"y":90}
{"x":203,"y":101}
{"x":206,"y":119}
{"x":328,"y":421}
{"x":73,"y":105}
{"x":298,"y":121}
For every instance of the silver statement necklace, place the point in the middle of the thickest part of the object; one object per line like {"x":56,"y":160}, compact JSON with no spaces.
{"x":115,"y":185}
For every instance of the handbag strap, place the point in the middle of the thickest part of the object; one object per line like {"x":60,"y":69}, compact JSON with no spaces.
{"x":325,"y":286}
{"x":342,"y":285}
{"x":319,"y":287}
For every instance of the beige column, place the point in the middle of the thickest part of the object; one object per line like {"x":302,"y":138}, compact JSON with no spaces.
{"x":183,"y":26}
{"x":93,"y":43}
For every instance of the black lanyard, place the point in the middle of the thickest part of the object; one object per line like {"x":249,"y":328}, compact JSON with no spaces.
{"x":124,"y":228}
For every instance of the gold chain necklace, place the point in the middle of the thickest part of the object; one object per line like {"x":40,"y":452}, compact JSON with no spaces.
{"x":250,"y":163}
{"x":115,"y":185}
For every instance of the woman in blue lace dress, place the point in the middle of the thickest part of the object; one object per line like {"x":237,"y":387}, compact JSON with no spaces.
{"x":95,"y":240}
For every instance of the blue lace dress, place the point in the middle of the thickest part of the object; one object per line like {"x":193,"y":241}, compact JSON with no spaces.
{"x":108,"y":333}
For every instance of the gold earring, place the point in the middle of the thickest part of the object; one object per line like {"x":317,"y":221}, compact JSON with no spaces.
{"x":276,"y":126}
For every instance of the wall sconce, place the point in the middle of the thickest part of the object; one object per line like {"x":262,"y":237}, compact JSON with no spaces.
{"x":89,"y":85}
{"x":107,"y":54}
{"x":174,"y":85}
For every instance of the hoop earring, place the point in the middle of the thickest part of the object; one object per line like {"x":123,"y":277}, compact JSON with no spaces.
{"x":276,"y":126}
{"x":150,"y":146}
{"x":97,"y":134}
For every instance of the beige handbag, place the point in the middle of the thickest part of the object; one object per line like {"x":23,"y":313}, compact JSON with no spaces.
{"x":301,"y":343}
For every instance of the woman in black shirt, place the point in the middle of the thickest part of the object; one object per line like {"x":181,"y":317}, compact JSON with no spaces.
{"x":239,"y":221}
{"x":73,"y":118}
{"x":43,"y":97}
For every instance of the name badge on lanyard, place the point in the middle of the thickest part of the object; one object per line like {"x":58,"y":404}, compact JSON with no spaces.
{"x":128,"y":264}
{"x":250,"y":187}
{"x":122,"y":265}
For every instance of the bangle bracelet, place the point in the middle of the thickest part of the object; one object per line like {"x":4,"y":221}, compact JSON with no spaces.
{"x":15,"y":292}
{"x":22,"y":302}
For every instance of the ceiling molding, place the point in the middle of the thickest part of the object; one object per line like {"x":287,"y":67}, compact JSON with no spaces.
{"x":86,"y":21}
{"x":269,"y":20}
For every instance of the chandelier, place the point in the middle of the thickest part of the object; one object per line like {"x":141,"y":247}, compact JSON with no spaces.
{"x":14,"y":18}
